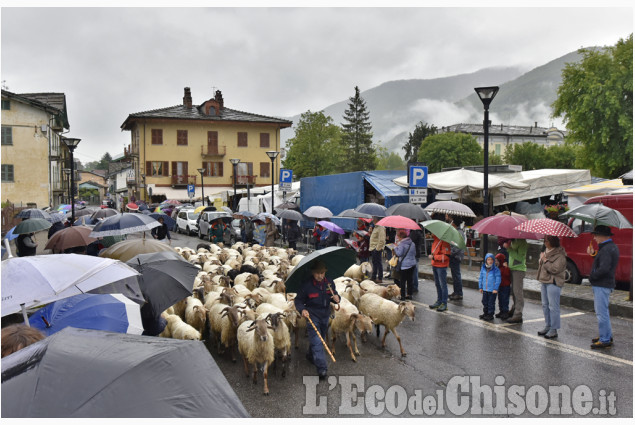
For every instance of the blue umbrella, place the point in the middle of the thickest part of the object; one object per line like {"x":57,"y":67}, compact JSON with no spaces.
{"x":56,"y":217}
{"x":10,"y":235}
{"x":85,"y":220}
{"x":264,"y":215}
{"x":105,"y":312}
{"x":145,"y":212}
{"x":166,"y":219}
{"x":372,"y":208}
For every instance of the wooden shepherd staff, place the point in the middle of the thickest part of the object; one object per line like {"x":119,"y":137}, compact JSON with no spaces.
{"x":321,"y":339}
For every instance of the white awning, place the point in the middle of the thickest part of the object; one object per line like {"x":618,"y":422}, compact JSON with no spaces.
{"x":180,"y":194}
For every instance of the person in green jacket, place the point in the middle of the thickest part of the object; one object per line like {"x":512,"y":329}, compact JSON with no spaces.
{"x":517,"y":250}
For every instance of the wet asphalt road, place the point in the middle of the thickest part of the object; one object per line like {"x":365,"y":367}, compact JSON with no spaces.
{"x":441,"y":347}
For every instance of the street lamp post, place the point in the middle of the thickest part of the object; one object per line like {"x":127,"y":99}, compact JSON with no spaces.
{"x":145,"y":190}
{"x":202,"y":171}
{"x":486,"y":94}
{"x":235,"y":162}
{"x":71,"y":144}
{"x":67,"y":171}
{"x":273,"y":155}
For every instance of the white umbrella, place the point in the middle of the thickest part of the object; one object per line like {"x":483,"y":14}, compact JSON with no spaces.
{"x":450,"y":207}
{"x":123,"y":224}
{"x":40,"y":279}
{"x":318,"y":211}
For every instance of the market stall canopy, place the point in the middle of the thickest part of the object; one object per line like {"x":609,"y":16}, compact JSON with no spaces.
{"x":462,"y":179}
{"x":578,"y":195}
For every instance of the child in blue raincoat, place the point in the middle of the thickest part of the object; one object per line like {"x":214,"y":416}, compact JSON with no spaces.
{"x":488,"y":283}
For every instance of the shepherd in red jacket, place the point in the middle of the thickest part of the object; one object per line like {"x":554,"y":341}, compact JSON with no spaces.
{"x":440,"y":256}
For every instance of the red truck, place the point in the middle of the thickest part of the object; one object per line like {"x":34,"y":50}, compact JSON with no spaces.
{"x":579,"y":262}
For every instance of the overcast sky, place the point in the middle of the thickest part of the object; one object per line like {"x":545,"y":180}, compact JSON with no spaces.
{"x":111,"y":62}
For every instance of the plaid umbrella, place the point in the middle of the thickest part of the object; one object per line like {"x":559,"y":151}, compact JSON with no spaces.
{"x":124,"y":224}
{"x":33,"y":213}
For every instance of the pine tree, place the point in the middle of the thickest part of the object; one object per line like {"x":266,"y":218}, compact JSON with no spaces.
{"x":357,"y":137}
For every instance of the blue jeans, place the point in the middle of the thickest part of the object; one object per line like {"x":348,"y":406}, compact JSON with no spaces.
{"x":415,"y":276}
{"x":441,"y":283}
{"x":601,"y":304}
{"x":550,"y":295}
{"x":455,"y":268}
{"x":489,"y":303}
{"x":316,"y":349}
{"x":378,"y":267}
{"x":503,"y":298}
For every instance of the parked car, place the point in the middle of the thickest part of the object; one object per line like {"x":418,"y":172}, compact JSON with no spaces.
{"x":579,"y":262}
{"x":205,"y":224}
{"x":186,"y":222}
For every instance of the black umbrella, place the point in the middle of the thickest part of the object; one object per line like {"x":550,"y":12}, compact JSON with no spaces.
{"x":336,"y":258}
{"x":354,"y":214}
{"x":33,"y":213}
{"x":166,"y":278}
{"x":88,"y":373}
{"x":291,"y":215}
{"x":412,"y":211}
{"x":288,"y":206}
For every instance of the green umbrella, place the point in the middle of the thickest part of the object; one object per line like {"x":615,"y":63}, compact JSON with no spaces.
{"x":336,"y":258}
{"x":599,"y":214}
{"x":31,"y":225}
{"x":445,"y":232}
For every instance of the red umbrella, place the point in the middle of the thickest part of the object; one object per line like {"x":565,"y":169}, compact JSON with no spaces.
{"x":504,"y":225}
{"x":547,"y":226}
{"x":172,"y":202}
{"x":398,"y":222}
{"x":132,"y":206}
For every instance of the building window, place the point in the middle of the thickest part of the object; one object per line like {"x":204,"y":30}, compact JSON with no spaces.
{"x":6,"y":105}
{"x":157,"y":168}
{"x":264,"y":140}
{"x":497,"y":148}
{"x":242,"y":139}
{"x":213,"y":169}
{"x":157,"y":136}
{"x":7,"y":173}
{"x":264,"y":169}
{"x":7,"y":135}
{"x":179,"y":168}
{"x":181,"y":137}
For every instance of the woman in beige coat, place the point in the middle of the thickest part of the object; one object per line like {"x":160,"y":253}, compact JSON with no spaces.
{"x":551,"y":273}
{"x":271,"y":232}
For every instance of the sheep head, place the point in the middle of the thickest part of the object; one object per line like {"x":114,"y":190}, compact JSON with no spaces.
{"x":406,"y":308}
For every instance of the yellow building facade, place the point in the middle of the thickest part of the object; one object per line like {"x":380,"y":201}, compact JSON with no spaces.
{"x":32,"y":157}
{"x":169,"y":145}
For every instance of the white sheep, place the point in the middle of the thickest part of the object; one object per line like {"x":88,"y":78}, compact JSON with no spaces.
{"x":359,"y":272}
{"x":281,"y":337}
{"x":195,"y":314}
{"x":387,"y":313}
{"x":345,"y":320}
{"x":181,"y":330}
{"x":249,"y":280}
{"x":388,"y":292}
{"x":256,"y":347}
{"x":349,"y":289}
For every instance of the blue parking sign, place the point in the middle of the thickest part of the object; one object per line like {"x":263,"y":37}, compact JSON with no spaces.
{"x":190,"y":190}
{"x":418,"y":176}
{"x":286,"y":178}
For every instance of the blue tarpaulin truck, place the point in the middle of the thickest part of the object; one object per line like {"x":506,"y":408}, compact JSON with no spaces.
{"x":339,"y":192}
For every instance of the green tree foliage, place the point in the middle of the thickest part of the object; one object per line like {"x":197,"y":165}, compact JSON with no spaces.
{"x":388,"y":160}
{"x":530,"y":155}
{"x":102,"y":164}
{"x":563,"y":157}
{"x":414,"y":140}
{"x":315,"y":150}
{"x":596,"y":101}
{"x":357,"y":137}
{"x":449,"y":150}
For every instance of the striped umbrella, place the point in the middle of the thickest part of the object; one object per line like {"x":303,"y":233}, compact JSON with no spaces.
{"x":547,"y":226}
{"x":450,"y":207}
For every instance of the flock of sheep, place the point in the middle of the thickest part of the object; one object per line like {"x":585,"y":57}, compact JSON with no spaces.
{"x":240,"y":304}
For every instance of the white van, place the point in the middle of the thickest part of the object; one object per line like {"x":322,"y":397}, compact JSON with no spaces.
{"x":186,"y":222}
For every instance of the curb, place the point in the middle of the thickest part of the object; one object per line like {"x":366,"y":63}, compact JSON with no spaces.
{"x":565,"y":300}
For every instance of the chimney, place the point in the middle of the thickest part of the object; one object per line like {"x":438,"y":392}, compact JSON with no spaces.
{"x":218,"y":97}
{"x":187,"y":98}
{"x":536,"y":124}
{"x":501,"y":126}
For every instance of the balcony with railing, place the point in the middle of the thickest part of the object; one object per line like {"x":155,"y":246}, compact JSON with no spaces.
{"x":180,"y":180}
{"x":244,"y":180}
{"x":210,"y":151}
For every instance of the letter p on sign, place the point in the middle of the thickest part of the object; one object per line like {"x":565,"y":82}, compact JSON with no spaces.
{"x":418,"y":176}
{"x":285,"y":175}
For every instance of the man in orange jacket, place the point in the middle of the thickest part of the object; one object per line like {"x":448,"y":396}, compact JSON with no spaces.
{"x":440,"y":256}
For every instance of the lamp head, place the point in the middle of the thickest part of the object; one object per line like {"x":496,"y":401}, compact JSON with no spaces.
{"x":70,"y":142}
{"x":486,"y":94}
{"x":200,"y":170}
{"x":234,"y":161}
{"x":273,"y":154}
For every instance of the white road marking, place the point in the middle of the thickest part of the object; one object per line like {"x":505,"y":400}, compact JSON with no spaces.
{"x":577,"y":313}
{"x":550,"y":343}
